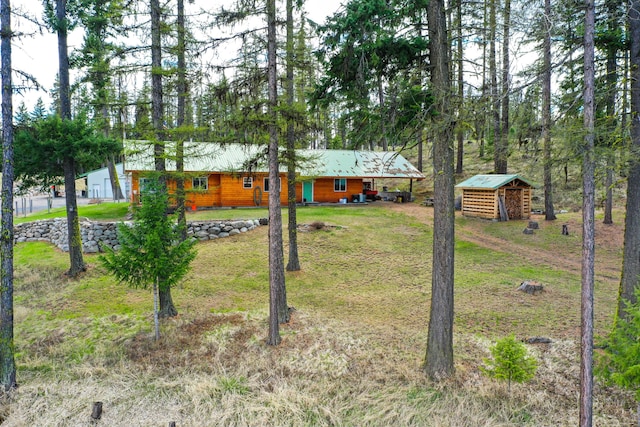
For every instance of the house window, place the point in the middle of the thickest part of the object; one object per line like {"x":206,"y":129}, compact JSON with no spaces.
{"x":340,"y":185}
{"x":247,"y":182}
{"x":143,"y":184}
{"x":200,"y":183}
{"x":266,"y":184}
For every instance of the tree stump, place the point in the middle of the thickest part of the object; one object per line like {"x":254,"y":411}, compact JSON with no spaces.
{"x":96,"y":413}
{"x":531,"y":287}
{"x":538,"y":340}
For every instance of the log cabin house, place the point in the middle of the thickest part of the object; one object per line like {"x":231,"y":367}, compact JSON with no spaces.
{"x":502,"y":197}
{"x":236,"y":175}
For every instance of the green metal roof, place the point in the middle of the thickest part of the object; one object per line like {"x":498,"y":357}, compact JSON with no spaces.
{"x":357,"y":164}
{"x":212,"y":157}
{"x":198,"y":156}
{"x":491,"y":182}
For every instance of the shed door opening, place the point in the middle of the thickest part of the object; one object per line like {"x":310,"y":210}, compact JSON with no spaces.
{"x":513,"y":202}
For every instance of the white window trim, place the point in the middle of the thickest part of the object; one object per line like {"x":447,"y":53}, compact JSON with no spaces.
{"x":345,"y":185}
{"x":249,"y":180}
{"x":265,"y":180}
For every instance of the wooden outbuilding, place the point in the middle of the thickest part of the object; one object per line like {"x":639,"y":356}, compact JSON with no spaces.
{"x":502,"y":197}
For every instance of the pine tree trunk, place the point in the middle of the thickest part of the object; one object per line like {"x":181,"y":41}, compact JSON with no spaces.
{"x":73,"y":221}
{"x":277,"y":294}
{"x":493,"y":76}
{"x":504,"y":125}
{"x":167,"y":308}
{"x":157,"y":112}
{"x":180,"y":121}
{"x":294,"y":260}
{"x":588,"y":221}
{"x":549,"y":210}
{"x":612,"y":91}
{"x":383,"y":119}
{"x":156,"y":321}
{"x":439,"y":356}
{"x":114,"y":179}
{"x":7,"y":350}
{"x":631,"y":252}
{"x":460,"y":61}
{"x":481,"y":129}
{"x":608,"y":184}
{"x":73,"y":225}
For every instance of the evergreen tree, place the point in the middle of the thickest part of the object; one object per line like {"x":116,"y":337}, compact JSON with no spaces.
{"x":42,"y":145}
{"x":364,"y":49}
{"x":99,"y":17}
{"x":152,"y":253}
{"x":619,"y":363}
{"x":510,"y":362}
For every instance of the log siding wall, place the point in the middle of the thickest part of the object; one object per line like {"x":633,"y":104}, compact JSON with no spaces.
{"x":223,"y":190}
{"x":324,"y":192}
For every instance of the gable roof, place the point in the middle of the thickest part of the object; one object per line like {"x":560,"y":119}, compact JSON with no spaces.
{"x":357,"y":164}
{"x":212,"y":157}
{"x":491,"y":182}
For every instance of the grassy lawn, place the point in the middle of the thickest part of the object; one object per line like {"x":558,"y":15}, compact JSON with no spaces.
{"x":353,"y":351}
{"x":108,"y":211}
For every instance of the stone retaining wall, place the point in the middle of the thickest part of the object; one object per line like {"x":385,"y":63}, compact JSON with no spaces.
{"x":94,"y":234}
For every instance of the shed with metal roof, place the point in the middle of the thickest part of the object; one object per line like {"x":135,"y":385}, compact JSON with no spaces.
{"x":496,"y":196}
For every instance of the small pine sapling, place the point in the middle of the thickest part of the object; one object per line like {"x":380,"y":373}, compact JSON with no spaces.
{"x":151,"y":253}
{"x":619,"y":362}
{"x":510,"y":361}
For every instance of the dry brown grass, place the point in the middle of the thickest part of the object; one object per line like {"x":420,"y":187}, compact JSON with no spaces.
{"x":216,"y":370}
{"x":351,"y":355}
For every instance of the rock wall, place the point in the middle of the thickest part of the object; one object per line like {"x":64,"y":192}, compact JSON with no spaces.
{"x":97,"y":234}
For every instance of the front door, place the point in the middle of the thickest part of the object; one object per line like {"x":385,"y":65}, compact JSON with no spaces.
{"x":307,"y":191}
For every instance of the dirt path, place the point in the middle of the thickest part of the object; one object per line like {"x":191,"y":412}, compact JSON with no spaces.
{"x":609,"y":240}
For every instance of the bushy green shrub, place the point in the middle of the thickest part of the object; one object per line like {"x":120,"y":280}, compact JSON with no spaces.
{"x":619,"y":362}
{"x":510,"y":361}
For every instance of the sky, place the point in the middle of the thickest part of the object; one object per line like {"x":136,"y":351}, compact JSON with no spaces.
{"x":38,"y":54}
